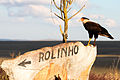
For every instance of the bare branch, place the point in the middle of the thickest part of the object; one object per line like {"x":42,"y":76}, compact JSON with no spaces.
{"x":61,"y":30}
{"x":61,"y":8}
{"x":57,"y":6}
{"x":76,"y":13}
{"x":68,"y":10}
{"x":69,"y":2}
{"x":59,"y":16}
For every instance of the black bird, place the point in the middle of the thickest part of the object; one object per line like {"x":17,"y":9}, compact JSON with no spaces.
{"x":94,"y":29}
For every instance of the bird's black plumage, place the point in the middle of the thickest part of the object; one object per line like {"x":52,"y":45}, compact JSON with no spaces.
{"x":95,"y":29}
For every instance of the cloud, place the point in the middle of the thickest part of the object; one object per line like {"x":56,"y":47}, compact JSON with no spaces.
{"x":34,"y":8}
{"x":30,"y":10}
{"x":110,"y":22}
{"x":20,"y":19}
{"x":54,"y":21}
{"x":20,"y":8}
{"x":80,"y":3}
{"x":23,"y":8}
{"x":39,"y":10}
{"x":97,"y":16}
{"x":103,"y":20}
{"x":23,"y":2}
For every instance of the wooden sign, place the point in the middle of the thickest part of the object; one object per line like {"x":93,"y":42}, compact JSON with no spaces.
{"x":65,"y":61}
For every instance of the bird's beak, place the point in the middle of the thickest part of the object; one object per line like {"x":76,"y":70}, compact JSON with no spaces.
{"x":82,"y":19}
{"x":79,"y":20}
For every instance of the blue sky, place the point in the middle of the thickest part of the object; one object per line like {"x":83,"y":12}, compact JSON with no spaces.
{"x":31,"y":19}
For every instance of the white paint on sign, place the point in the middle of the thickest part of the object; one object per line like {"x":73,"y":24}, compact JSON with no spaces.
{"x":75,"y":57}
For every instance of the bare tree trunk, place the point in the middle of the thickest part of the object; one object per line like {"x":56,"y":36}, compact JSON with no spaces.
{"x":65,"y":35}
{"x":65,"y":22}
{"x":64,"y":9}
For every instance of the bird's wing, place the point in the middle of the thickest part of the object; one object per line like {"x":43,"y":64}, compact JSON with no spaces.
{"x":92,"y":26}
{"x":105,"y":33}
{"x":97,"y":28}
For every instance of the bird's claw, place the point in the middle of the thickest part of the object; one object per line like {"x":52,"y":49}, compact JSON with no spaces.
{"x":89,"y":44}
{"x":94,"y":44}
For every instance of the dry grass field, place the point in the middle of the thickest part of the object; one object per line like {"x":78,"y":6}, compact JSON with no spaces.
{"x":107,"y":67}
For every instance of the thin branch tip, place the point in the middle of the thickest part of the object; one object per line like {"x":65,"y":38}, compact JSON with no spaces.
{"x":76,"y":13}
{"x":59,"y":16}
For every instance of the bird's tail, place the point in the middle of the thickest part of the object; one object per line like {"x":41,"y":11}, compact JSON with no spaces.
{"x":105,"y":33}
{"x":109,"y":36}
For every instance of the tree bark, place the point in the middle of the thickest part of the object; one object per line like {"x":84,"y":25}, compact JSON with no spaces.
{"x":65,"y":22}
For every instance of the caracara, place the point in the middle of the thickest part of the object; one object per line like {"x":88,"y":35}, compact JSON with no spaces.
{"x":94,"y":29}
